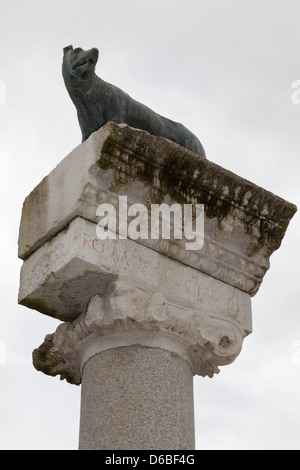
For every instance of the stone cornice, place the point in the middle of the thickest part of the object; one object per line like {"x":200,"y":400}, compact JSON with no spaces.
{"x":189,"y":178}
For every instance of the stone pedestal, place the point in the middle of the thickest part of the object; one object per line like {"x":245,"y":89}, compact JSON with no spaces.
{"x":141,"y":316}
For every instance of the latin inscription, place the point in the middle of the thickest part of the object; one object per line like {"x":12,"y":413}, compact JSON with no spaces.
{"x":133,"y":262}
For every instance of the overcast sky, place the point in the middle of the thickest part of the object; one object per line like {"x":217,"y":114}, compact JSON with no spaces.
{"x":224,"y":69}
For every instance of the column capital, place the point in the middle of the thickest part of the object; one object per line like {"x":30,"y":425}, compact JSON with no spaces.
{"x":128,"y":313}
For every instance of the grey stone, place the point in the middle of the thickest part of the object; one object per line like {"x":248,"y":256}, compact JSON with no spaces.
{"x":137,"y":398}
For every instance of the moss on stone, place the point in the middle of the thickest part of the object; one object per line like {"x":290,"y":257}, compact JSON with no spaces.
{"x":169,"y":169}
{"x":45,"y":359}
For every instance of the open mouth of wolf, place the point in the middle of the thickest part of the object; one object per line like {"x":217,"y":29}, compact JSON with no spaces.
{"x":82,"y":63}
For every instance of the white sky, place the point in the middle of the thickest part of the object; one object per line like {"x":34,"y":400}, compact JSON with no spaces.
{"x":225,"y":70}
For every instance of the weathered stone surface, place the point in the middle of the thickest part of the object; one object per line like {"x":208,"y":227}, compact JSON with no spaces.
{"x":61,"y":276}
{"x":155,"y":409}
{"x":202,"y":297}
{"x":244,"y":224}
{"x":104,"y":287}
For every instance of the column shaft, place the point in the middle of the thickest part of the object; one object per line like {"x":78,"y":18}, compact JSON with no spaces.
{"x":137,"y":397}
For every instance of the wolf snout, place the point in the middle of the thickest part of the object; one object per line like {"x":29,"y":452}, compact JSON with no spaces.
{"x":83,"y":58}
{"x":94,"y":54}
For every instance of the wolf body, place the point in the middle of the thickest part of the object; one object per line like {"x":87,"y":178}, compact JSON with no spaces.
{"x":98,"y":102}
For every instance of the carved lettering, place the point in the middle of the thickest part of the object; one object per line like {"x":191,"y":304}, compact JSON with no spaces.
{"x":86,"y":239}
{"x":95,"y":243}
{"x":163,"y":276}
{"x":124,"y":257}
{"x":148,"y":268}
{"x":113,"y":253}
{"x":189,"y":286}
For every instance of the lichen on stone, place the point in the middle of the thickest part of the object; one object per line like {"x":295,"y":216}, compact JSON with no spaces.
{"x":49,"y":361}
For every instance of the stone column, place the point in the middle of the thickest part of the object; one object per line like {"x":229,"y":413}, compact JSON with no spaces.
{"x":144,"y":400}
{"x":141,"y":316}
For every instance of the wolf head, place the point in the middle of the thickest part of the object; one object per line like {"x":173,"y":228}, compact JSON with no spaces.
{"x":79,"y":65}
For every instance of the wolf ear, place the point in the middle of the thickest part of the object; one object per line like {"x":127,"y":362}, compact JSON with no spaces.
{"x":67,"y":48}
